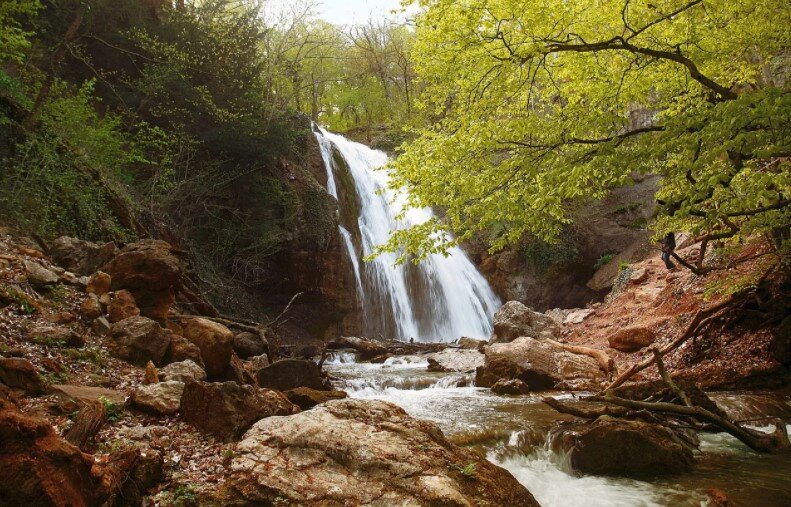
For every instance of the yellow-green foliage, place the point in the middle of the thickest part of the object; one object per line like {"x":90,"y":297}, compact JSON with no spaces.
{"x":540,"y":103}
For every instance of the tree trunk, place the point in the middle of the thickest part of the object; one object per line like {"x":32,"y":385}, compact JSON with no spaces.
{"x":89,"y":421}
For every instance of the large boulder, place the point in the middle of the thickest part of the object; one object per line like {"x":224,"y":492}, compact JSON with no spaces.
{"x":182,"y":371}
{"x":40,"y":468}
{"x":622,"y":447}
{"x":289,"y":374}
{"x":366,"y":349}
{"x":513,"y":387}
{"x":248,"y":344}
{"x":539,"y":364}
{"x":122,"y":306}
{"x":354,"y":452}
{"x":81,"y":257}
{"x":514,"y":319}
{"x":632,"y":338}
{"x":139,"y":340}
{"x":215,"y":342}
{"x":38,"y":276}
{"x":306,"y":398}
{"x":461,"y":360}
{"x":150,"y":269}
{"x":227,"y":409}
{"x":18,"y":373}
{"x":162,"y":398}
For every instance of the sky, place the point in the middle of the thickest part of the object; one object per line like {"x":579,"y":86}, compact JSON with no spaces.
{"x":348,"y":12}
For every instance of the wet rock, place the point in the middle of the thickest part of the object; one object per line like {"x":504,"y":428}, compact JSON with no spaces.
{"x":632,"y":338}
{"x":91,"y":308}
{"x":354,"y":452}
{"x":471,"y":343}
{"x":40,"y":468}
{"x":162,"y":398}
{"x":460,"y":360}
{"x":226,"y":409}
{"x":182,"y":371}
{"x":99,"y":283}
{"x":621,"y":447}
{"x":288,"y":374}
{"x":247,"y":345}
{"x":38,"y":276}
{"x":18,"y":373}
{"x":514,"y":319}
{"x":366,"y":349}
{"x":81,"y":257}
{"x":306,"y":398}
{"x":215,"y":342}
{"x":182,"y":349}
{"x":512,"y":387}
{"x":139,"y":340}
{"x":122,"y":306}
{"x":149,"y":269}
{"x":539,"y":364}
{"x":434,"y":366}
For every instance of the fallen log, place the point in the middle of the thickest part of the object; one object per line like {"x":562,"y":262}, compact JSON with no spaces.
{"x":89,"y":421}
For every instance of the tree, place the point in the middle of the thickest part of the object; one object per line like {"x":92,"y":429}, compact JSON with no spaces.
{"x":540,"y":104}
{"x":13,"y":36}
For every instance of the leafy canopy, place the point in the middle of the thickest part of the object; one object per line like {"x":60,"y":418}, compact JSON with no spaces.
{"x":540,"y":103}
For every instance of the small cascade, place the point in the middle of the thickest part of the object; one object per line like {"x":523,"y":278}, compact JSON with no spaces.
{"x":440,"y":299}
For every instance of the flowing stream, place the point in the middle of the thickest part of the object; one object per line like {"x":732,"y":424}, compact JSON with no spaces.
{"x":445,"y":298}
{"x":440,"y":299}
{"x":513,"y":432}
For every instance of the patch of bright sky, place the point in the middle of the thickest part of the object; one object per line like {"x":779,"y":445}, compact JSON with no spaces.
{"x":349,"y":12}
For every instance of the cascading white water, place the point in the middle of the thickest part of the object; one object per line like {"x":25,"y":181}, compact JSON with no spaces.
{"x":442,"y":298}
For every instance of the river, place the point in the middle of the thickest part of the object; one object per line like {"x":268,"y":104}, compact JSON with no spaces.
{"x":512,"y":431}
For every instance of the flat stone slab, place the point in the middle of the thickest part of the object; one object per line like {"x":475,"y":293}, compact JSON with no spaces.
{"x":87,"y":394}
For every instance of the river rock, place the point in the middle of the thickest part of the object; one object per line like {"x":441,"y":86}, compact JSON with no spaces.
{"x":38,"y":276}
{"x":511,"y":387}
{"x":139,"y":340}
{"x":182,"y":371}
{"x":306,"y":398}
{"x":621,"y":447}
{"x":18,"y":373}
{"x":81,"y":257}
{"x":215,"y":342}
{"x":539,"y":364}
{"x":162,"y":398}
{"x":354,"y":452}
{"x":288,"y":374}
{"x":150,"y":269}
{"x":122,"y":306}
{"x":460,"y":360}
{"x":99,"y":283}
{"x":247,"y":345}
{"x":514,"y":319}
{"x":40,"y":468}
{"x":366,"y":349}
{"x":226,"y":409}
{"x":632,"y":338}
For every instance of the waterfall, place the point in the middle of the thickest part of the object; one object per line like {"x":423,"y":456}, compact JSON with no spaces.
{"x":440,"y":299}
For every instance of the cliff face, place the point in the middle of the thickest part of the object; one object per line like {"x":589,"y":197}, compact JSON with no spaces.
{"x":581,"y":267}
{"x":289,"y":245}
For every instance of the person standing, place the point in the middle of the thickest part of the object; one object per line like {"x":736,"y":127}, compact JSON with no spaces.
{"x":668,"y":244}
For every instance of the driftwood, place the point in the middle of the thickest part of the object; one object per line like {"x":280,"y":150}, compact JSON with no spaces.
{"x":89,"y":421}
{"x":756,"y":440}
{"x":701,"y":320}
{"x":606,"y":363}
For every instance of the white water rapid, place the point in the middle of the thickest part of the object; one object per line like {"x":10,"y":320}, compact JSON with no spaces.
{"x":441,"y":299}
